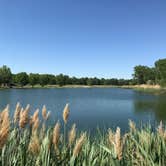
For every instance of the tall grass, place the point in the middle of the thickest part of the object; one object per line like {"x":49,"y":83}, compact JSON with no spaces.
{"x":26,"y":141}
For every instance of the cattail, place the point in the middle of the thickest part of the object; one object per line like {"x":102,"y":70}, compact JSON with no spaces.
{"x":132,"y":126}
{"x":160,"y":129}
{"x":4,"y":128}
{"x":17,"y":113}
{"x":72,"y":134}
{"x":34,"y":145}
{"x":24,"y":117}
{"x":79,"y":144}
{"x":118,"y":144}
{"x":66,"y":113}
{"x":44,"y":112}
{"x":56,"y":135}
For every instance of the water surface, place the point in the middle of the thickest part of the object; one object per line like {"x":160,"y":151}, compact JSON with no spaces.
{"x":91,"y":107}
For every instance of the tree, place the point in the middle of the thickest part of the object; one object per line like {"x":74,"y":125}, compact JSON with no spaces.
{"x":142,"y":74}
{"x":44,"y":79}
{"x":5,"y":76}
{"x":60,"y":80}
{"x":21,"y":78}
{"x":34,"y":79}
{"x":161,"y":71}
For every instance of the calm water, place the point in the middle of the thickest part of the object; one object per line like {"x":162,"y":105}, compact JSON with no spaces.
{"x":91,"y":107}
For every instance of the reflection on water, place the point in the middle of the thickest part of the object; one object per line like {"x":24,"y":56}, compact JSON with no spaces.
{"x":91,"y":107}
{"x":157,"y":106}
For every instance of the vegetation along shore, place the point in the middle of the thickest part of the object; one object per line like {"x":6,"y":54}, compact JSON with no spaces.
{"x":27,"y":140}
{"x":150,"y":76}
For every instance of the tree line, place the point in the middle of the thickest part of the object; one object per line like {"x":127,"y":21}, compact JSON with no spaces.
{"x":142,"y":75}
{"x":22,"y":79}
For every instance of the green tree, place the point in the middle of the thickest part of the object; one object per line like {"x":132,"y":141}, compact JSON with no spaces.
{"x":21,"y":78}
{"x":161,"y":71}
{"x":5,"y":76}
{"x":44,"y":79}
{"x":60,"y":80}
{"x":142,"y":74}
{"x":34,"y":79}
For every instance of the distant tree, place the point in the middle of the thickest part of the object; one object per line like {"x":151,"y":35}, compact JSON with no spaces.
{"x":44,"y":80}
{"x":142,"y":74}
{"x":34,"y":79}
{"x":60,"y":80}
{"x":5,"y":76}
{"x":21,"y":78}
{"x":161,"y":71}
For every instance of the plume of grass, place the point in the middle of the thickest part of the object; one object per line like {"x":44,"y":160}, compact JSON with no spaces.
{"x":44,"y":112}
{"x":66,"y":113}
{"x":34,"y":117}
{"x":118,"y":144}
{"x":34,"y":145}
{"x":111,"y":137}
{"x":79,"y":144}
{"x":160,"y":129}
{"x":42,"y":130}
{"x":56,"y":136}
{"x":35,"y":125}
{"x":132,"y":126}
{"x":4,"y":127}
{"x":3,"y":113}
{"x":24,"y":117}
{"x":17,"y":113}
{"x":72,"y":135}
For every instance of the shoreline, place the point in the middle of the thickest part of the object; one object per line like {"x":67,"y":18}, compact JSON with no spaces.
{"x":153,"y":89}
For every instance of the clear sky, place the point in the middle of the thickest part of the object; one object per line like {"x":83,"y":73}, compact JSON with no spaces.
{"x":103,"y":38}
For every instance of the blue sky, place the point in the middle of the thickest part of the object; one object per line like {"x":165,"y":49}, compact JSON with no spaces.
{"x":103,"y":38}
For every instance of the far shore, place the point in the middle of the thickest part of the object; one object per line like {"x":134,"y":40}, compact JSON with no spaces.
{"x":154,"y":89}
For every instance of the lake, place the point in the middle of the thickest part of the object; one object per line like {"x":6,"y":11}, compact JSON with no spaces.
{"x":91,"y":107}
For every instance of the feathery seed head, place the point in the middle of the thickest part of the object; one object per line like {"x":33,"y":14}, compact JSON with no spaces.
{"x":72,"y":134}
{"x":34,"y":145}
{"x":35,"y":125}
{"x":111,"y":137}
{"x":4,"y":128}
{"x":17,"y":113}
{"x":160,"y":129}
{"x":56,"y":135}
{"x":66,"y":113}
{"x":132,"y":126}
{"x":44,"y":112}
{"x":24,"y":117}
{"x":79,"y":144}
{"x":118,"y":144}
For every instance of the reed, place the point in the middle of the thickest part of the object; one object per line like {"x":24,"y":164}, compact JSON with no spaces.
{"x":34,"y":144}
{"x":56,"y":135}
{"x":37,"y":144}
{"x":79,"y":144}
{"x":72,"y":135}
{"x":4,"y":127}
{"x":24,"y":117}
{"x":66,"y":113}
{"x":17,"y":113}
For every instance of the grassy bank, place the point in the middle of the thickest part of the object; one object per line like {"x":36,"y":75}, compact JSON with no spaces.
{"x":26,"y":140}
{"x":153,"y":89}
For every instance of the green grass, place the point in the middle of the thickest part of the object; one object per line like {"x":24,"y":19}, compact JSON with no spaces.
{"x":139,"y":146}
